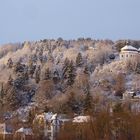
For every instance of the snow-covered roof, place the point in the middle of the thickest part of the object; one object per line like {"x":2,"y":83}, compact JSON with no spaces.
{"x":139,"y":49}
{"x":81,"y":119}
{"x":54,"y":116}
{"x":48,"y":115}
{"x":26,"y":131}
{"x":64,"y":118}
{"x":129,"y":48}
{"x":137,"y":96}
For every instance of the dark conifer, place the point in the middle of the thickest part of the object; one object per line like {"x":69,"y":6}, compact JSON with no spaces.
{"x":10,"y":63}
{"x":47,"y":74}
{"x":71,"y":74}
{"x":88,"y":103}
{"x":65,"y":67}
{"x":2,"y":92}
{"x":79,"y":60}
{"x":86,"y":70}
{"x":37,"y":74}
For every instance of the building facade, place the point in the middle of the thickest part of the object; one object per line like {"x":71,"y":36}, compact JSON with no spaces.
{"x":129,"y":52}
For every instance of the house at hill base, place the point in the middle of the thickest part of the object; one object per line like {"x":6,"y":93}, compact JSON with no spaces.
{"x":6,"y":131}
{"x":24,"y":134}
{"x":51,"y":123}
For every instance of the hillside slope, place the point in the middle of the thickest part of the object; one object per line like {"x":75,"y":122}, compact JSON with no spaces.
{"x":61,"y":75}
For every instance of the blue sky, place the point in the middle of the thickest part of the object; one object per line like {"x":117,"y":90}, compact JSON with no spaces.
{"x":38,"y":19}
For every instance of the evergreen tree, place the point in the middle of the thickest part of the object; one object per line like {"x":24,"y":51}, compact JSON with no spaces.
{"x":2,"y":95}
{"x":10,"y":80}
{"x":2,"y":92}
{"x":31,"y":117}
{"x":19,"y":81}
{"x":31,"y":67}
{"x":72,"y":107}
{"x":118,"y":108}
{"x":86,"y":70}
{"x":37,"y":74}
{"x":65,"y":68}
{"x":66,"y":62}
{"x":18,"y":67}
{"x":34,"y":58}
{"x":71,"y":74}
{"x":47,"y":74}
{"x":79,"y":60}
{"x":10,"y":63}
{"x":88,"y":103}
{"x":30,"y":62}
{"x":13,"y":98}
{"x":56,"y":76}
{"x":40,"y":56}
{"x":26,"y":75}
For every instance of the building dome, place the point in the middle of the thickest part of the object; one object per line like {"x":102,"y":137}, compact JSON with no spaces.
{"x":129,"y":48}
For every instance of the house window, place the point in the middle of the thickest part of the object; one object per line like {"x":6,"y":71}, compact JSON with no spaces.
{"x":122,"y":55}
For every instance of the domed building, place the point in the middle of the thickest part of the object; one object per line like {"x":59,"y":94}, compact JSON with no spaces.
{"x":129,"y":52}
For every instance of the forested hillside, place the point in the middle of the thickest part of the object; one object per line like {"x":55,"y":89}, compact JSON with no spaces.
{"x":64,"y":75}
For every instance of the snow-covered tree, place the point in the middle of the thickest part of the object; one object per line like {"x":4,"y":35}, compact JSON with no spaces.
{"x":79,"y":60}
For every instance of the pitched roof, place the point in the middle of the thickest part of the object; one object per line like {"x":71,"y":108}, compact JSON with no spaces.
{"x":26,"y":131}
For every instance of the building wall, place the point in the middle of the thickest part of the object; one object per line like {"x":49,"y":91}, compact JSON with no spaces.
{"x":129,"y":55}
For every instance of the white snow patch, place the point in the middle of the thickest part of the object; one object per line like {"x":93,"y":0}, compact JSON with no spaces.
{"x":81,"y":119}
